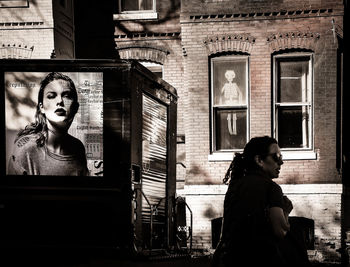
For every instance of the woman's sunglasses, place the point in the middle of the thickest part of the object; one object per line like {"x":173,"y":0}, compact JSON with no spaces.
{"x":276,"y":157}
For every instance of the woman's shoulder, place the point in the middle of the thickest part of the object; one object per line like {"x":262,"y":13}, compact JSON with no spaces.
{"x":270,"y":183}
{"x":26,"y":141}
{"x":26,"y":146}
{"x":275,"y":186}
{"x":258,"y":178}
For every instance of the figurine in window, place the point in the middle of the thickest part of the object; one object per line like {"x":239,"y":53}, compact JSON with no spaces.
{"x":232,"y":123}
{"x":231,"y":93}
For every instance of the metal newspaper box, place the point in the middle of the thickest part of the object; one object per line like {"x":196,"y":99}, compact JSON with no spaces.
{"x":126,"y":121}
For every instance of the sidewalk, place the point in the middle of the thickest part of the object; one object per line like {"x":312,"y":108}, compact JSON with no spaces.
{"x":88,"y":260}
{"x":91,"y":259}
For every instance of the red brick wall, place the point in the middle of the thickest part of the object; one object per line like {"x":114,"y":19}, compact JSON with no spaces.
{"x":162,"y":34}
{"x":200,"y":23}
{"x":187,"y":69}
{"x":195,"y":31}
{"x":32,"y":26}
{"x":321,"y":203}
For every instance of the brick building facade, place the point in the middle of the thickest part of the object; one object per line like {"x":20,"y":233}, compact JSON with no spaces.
{"x":191,"y":42}
{"x":37,"y":29}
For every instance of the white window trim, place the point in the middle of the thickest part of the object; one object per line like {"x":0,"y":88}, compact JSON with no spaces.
{"x":136,"y":14}
{"x":299,"y":155}
{"x":223,"y":155}
{"x":295,"y":153}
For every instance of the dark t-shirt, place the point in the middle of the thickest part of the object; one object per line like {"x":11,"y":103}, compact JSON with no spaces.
{"x":246,"y":222}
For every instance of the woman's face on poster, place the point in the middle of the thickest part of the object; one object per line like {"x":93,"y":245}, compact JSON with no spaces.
{"x":58,"y":103}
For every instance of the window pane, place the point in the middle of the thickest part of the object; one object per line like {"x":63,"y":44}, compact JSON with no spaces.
{"x":293,"y":127}
{"x":128,"y":5}
{"x":231,"y":129}
{"x":229,"y":82}
{"x":146,"y":4}
{"x":293,"y":80}
{"x":134,"y":5}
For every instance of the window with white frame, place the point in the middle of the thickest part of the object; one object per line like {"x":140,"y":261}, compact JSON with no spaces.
{"x":136,"y":10}
{"x":293,"y":103}
{"x":137,"y":5}
{"x":229,"y":103}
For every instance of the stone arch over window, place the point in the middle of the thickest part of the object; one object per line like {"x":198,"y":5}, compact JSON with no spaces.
{"x":152,"y":54}
{"x":16,"y":51}
{"x":292,"y":40}
{"x":229,"y":43}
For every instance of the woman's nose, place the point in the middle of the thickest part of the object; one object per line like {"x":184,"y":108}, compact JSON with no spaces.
{"x":59,"y":101}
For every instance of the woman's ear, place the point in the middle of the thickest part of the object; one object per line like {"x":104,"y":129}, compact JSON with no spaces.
{"x":258,"y":160}
{"x":41,"y":108}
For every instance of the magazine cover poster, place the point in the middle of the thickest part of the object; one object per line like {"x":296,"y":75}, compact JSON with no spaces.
{"x":21,"y":104}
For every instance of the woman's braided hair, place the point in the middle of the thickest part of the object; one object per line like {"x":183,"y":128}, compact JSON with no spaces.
{"x":243,"y":162}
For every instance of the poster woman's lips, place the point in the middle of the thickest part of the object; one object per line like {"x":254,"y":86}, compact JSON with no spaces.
{"x":60,"y":112}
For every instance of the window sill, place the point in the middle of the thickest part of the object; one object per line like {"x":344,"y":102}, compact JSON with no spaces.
{"x":136,"y":16}
{"x":297,"y":155}
{"x":287,"y":155}
{"x":221,"y":156}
